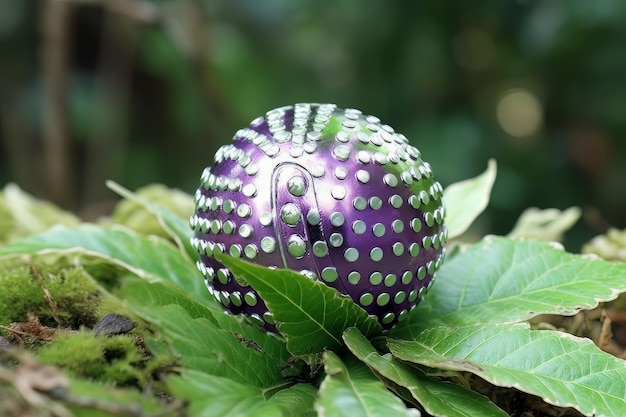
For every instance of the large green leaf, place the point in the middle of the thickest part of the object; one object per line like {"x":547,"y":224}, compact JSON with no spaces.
{"x":311,"y":315}
{"x":175,"y":226}
{"x":438,"y":398}
{"x":562,"y":369}
{"x":352,"y":390}
{"x":210,"y":395}
{"x":465,"y":200}
{"x":144,"y":296}
{"x":296,"y":401}
{"x":201,"y":345}
{"x":149,"y":257}
{"x":502,"y":280}
{"x":138,"y":293}
{"x":205,"y":339}
{"x":215,"y":396}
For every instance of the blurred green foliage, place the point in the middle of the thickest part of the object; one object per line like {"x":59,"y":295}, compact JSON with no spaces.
{"x":155,"y":87}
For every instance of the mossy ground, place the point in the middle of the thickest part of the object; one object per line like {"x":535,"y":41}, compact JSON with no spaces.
{"x":50,"y":309}
{"x":117,"y":359}
{"x":62,"y":297}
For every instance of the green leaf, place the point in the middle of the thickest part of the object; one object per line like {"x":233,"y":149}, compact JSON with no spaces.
{"x":610,"y":246}
{"x":210,"y":395}
{"x":562,"y":369}
{"x":465,"y":200}
{"x":296,"y":401}
{"x":311,"y":315}
{"x":438,"y":398}
{"x":500,"y":280}
{"x":242,"y":352}
{"x":201,"y":345}
{"x":174,"y":225}
{"x":22,"y":214}
{"x":138,"y":293}
{"x":144,"y":297}
{"x":547,"y":225}
{"x":352,"y":390}
{"x":149,"y":257}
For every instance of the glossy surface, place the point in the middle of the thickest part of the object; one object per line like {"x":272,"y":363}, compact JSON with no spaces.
{"x":331,"y":193}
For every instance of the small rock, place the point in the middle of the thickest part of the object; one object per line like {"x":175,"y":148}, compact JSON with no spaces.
{"x":113,"y":324}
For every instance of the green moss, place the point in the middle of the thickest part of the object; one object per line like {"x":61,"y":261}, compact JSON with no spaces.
{"x":115,"y":359}
{"x":79,"y":302}
{"x":80,"y":353}
{"x":73,"y":302}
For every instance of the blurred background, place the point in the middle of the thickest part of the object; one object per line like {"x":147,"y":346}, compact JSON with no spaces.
{"x":143,"y":91}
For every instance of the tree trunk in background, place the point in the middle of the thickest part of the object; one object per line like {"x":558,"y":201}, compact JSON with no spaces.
{"x":55,"y":51}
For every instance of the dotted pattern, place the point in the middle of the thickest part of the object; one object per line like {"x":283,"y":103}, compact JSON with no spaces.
{"x":332,"y":193}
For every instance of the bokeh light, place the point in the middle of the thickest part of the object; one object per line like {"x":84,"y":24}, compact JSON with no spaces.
{"x":519,"y":113}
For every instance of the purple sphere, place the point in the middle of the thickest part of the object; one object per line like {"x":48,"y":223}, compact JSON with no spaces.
{"x":330,"y":193}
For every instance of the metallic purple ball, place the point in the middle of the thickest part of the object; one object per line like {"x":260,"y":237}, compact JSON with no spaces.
{"x":331,"y":193}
